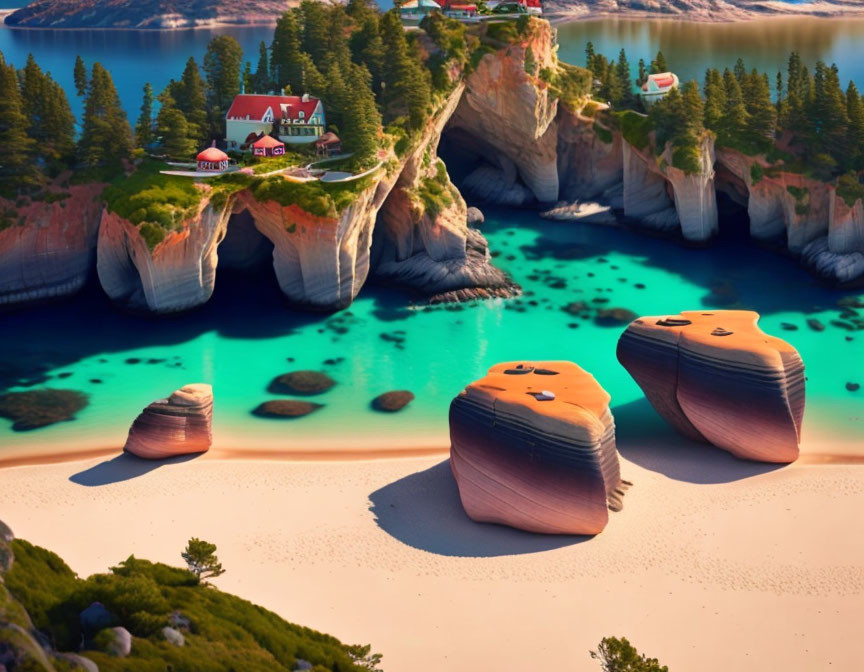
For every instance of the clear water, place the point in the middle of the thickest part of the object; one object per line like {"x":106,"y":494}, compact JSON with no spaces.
{"x":243,"y":337}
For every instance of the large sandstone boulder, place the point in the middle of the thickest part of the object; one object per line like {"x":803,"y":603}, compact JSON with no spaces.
{"x":716,"y":377}
{"x":178,"y":425}
{"x":533,"y":447}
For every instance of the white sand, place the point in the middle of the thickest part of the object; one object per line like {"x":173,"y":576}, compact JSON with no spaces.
{"x":714,"y":564}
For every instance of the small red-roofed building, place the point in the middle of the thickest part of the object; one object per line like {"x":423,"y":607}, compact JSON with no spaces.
{"x":267,"y":145}
{"x":212,"y":160}
{"x":657,"y":86}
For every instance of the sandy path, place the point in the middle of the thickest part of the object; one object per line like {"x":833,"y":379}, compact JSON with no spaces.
{"x":714,"y":564}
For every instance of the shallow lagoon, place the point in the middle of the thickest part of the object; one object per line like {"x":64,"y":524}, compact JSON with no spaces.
{"x":245,"y":336}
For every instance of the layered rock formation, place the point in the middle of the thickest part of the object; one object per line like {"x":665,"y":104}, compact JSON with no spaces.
{"x":48,"y":247}
{"x":514,"y":112}
{"x":716,"y":377}
{"x":178,"y":425}
{"x":177,"y":274}
{"x":533,"y":447}
{"x":588,"y":164}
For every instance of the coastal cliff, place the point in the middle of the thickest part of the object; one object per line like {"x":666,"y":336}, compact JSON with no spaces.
{"x":177,"y":274}
{"x":48,"y":246}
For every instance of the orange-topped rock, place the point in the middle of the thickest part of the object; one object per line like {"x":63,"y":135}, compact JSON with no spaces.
{"x":533,"y":447}
{"x":717,"y":377}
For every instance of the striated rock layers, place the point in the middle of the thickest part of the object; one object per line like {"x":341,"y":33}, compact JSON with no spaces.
{"x":533,"y":447}
{"x":716,"y":377}
{"x":48,"y":247}
{"x":177,"y":274}
{"x":513,"y":112}
{"x":178,"y":425}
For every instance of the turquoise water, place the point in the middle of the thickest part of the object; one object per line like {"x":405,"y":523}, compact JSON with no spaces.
{"x":245,"y":335}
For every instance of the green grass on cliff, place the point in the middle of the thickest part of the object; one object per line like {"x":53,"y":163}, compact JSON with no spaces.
{"x":849,"y":188}
{"x":225,"y":632}
{"x":321,"y":199}
{"x":155,"y":203}
{"x":635,"y":128}
{"x":436,"y":193}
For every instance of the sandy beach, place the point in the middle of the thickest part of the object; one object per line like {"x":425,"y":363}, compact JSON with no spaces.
{"x":714,"y":563}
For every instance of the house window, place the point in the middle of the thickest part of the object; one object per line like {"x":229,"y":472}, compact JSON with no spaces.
{"x":302,"y":114}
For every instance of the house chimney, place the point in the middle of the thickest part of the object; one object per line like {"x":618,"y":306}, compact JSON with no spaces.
{"x":305,"y":98}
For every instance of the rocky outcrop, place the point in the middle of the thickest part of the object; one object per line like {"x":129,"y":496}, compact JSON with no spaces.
{"x":178,"y":425}
{"x":514,"y":112}
{"x":716,"y":377}
{"x":646,"y":196}
{"x":176,"y":275}
{"x":533,"y":447}
{"x":48,"y":247}
{"x":422,"y":239}
{"x":694,"y":194}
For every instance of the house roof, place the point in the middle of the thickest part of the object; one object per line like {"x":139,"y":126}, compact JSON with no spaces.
{"x":213,"y":154}
{"x":255,"y":106}
{"x":415,"y":4}
{"x":663,"y":80}
{"x":267,"y":141}
{"x":462,"y":8}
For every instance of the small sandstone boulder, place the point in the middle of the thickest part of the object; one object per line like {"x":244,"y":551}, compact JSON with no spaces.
{"x":286,"y":408}
{"x":173,"y":636}
{"x":716,"y":377}
{"x":306,"y":383}
{"x":39,"y":408}
{"x":178,"y":425}
{"x":390,"y":402}
{"x":533,"y":447}
{"x":115,"y":642}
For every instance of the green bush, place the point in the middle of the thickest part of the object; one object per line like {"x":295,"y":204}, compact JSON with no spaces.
{"x":635,"y":128}
{"x":226,"y":633}
{"x":687,"y":157}
{"x":850,"y":189}
{"x":802,"y":199}
{"x":757,"y":172}
{"x":603,"y":133}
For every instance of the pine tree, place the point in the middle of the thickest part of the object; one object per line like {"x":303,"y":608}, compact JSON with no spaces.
{"x":407,"y":84}
{"x":80,"y":77}
{"x":855,"y":115}
{"x":761,"y":114}
{"x":51,"y":123}
{"x":190,"y":94}
{"x":316,"y":25}
{"x":643,"y":73}
{"x":694,"y":109}
{"x":622,"y":70}
{"x":222,"y":64}
{"x":106,"y":137}
{"x":368,"y":48}
{"x":734,"y":125}
{"x":589,"y":56}
{"x":201,"y":559}
{"x":16,"y":169}
{"x":361,"y":119}
{"x":178,"y":141}
{"x":261,"y":79}
{"x":715,"y":100}
{"x":740,"y":70}
{"x":286,"y":64}
{"x":144,"y":125}
{"x":659,"y":64}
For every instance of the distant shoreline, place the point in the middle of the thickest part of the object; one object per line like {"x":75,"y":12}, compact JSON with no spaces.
{"x":554,"y":17}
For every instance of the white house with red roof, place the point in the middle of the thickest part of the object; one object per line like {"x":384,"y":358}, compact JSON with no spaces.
{"x":657,"y":86}
{"x":297,"y":119}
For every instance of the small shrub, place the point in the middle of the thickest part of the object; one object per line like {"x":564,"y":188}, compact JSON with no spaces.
{"x":603,"y":133}
{"x":757,"y":172}
{"x":850,"y":189}
{"x":635,"y":128}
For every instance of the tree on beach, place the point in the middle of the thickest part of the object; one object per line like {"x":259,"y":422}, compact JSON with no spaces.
{"x":80,"y":76}
{"x":144,"y":125}
{"x":106,"y":137}
{"x":200,"y":557}
{"x":619,"y":655}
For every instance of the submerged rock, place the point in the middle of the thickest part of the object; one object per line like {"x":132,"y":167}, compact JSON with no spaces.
{"x":390,"y":402}
{"x":178,"y":425}
{"x":610,"y":317}
{"x":716,"y":377}
{"x":39,"y":408}
{"x":286,"y":408}
{"x":306,"y":383}
{"x":533,"y":447}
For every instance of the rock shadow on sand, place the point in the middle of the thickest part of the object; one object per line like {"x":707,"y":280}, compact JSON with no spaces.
{"x":643,"y":437}
{"x":423,"y":510}
{"x":123,"y":467}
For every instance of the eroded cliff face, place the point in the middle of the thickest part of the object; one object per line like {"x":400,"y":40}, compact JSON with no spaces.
{"x":422,"y":238}
{"x":47,"y":249}
{"x":513,"y":112}
{"x":590,"y":156}
{"x":320,"y":262}
{"x":176,"y":275}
